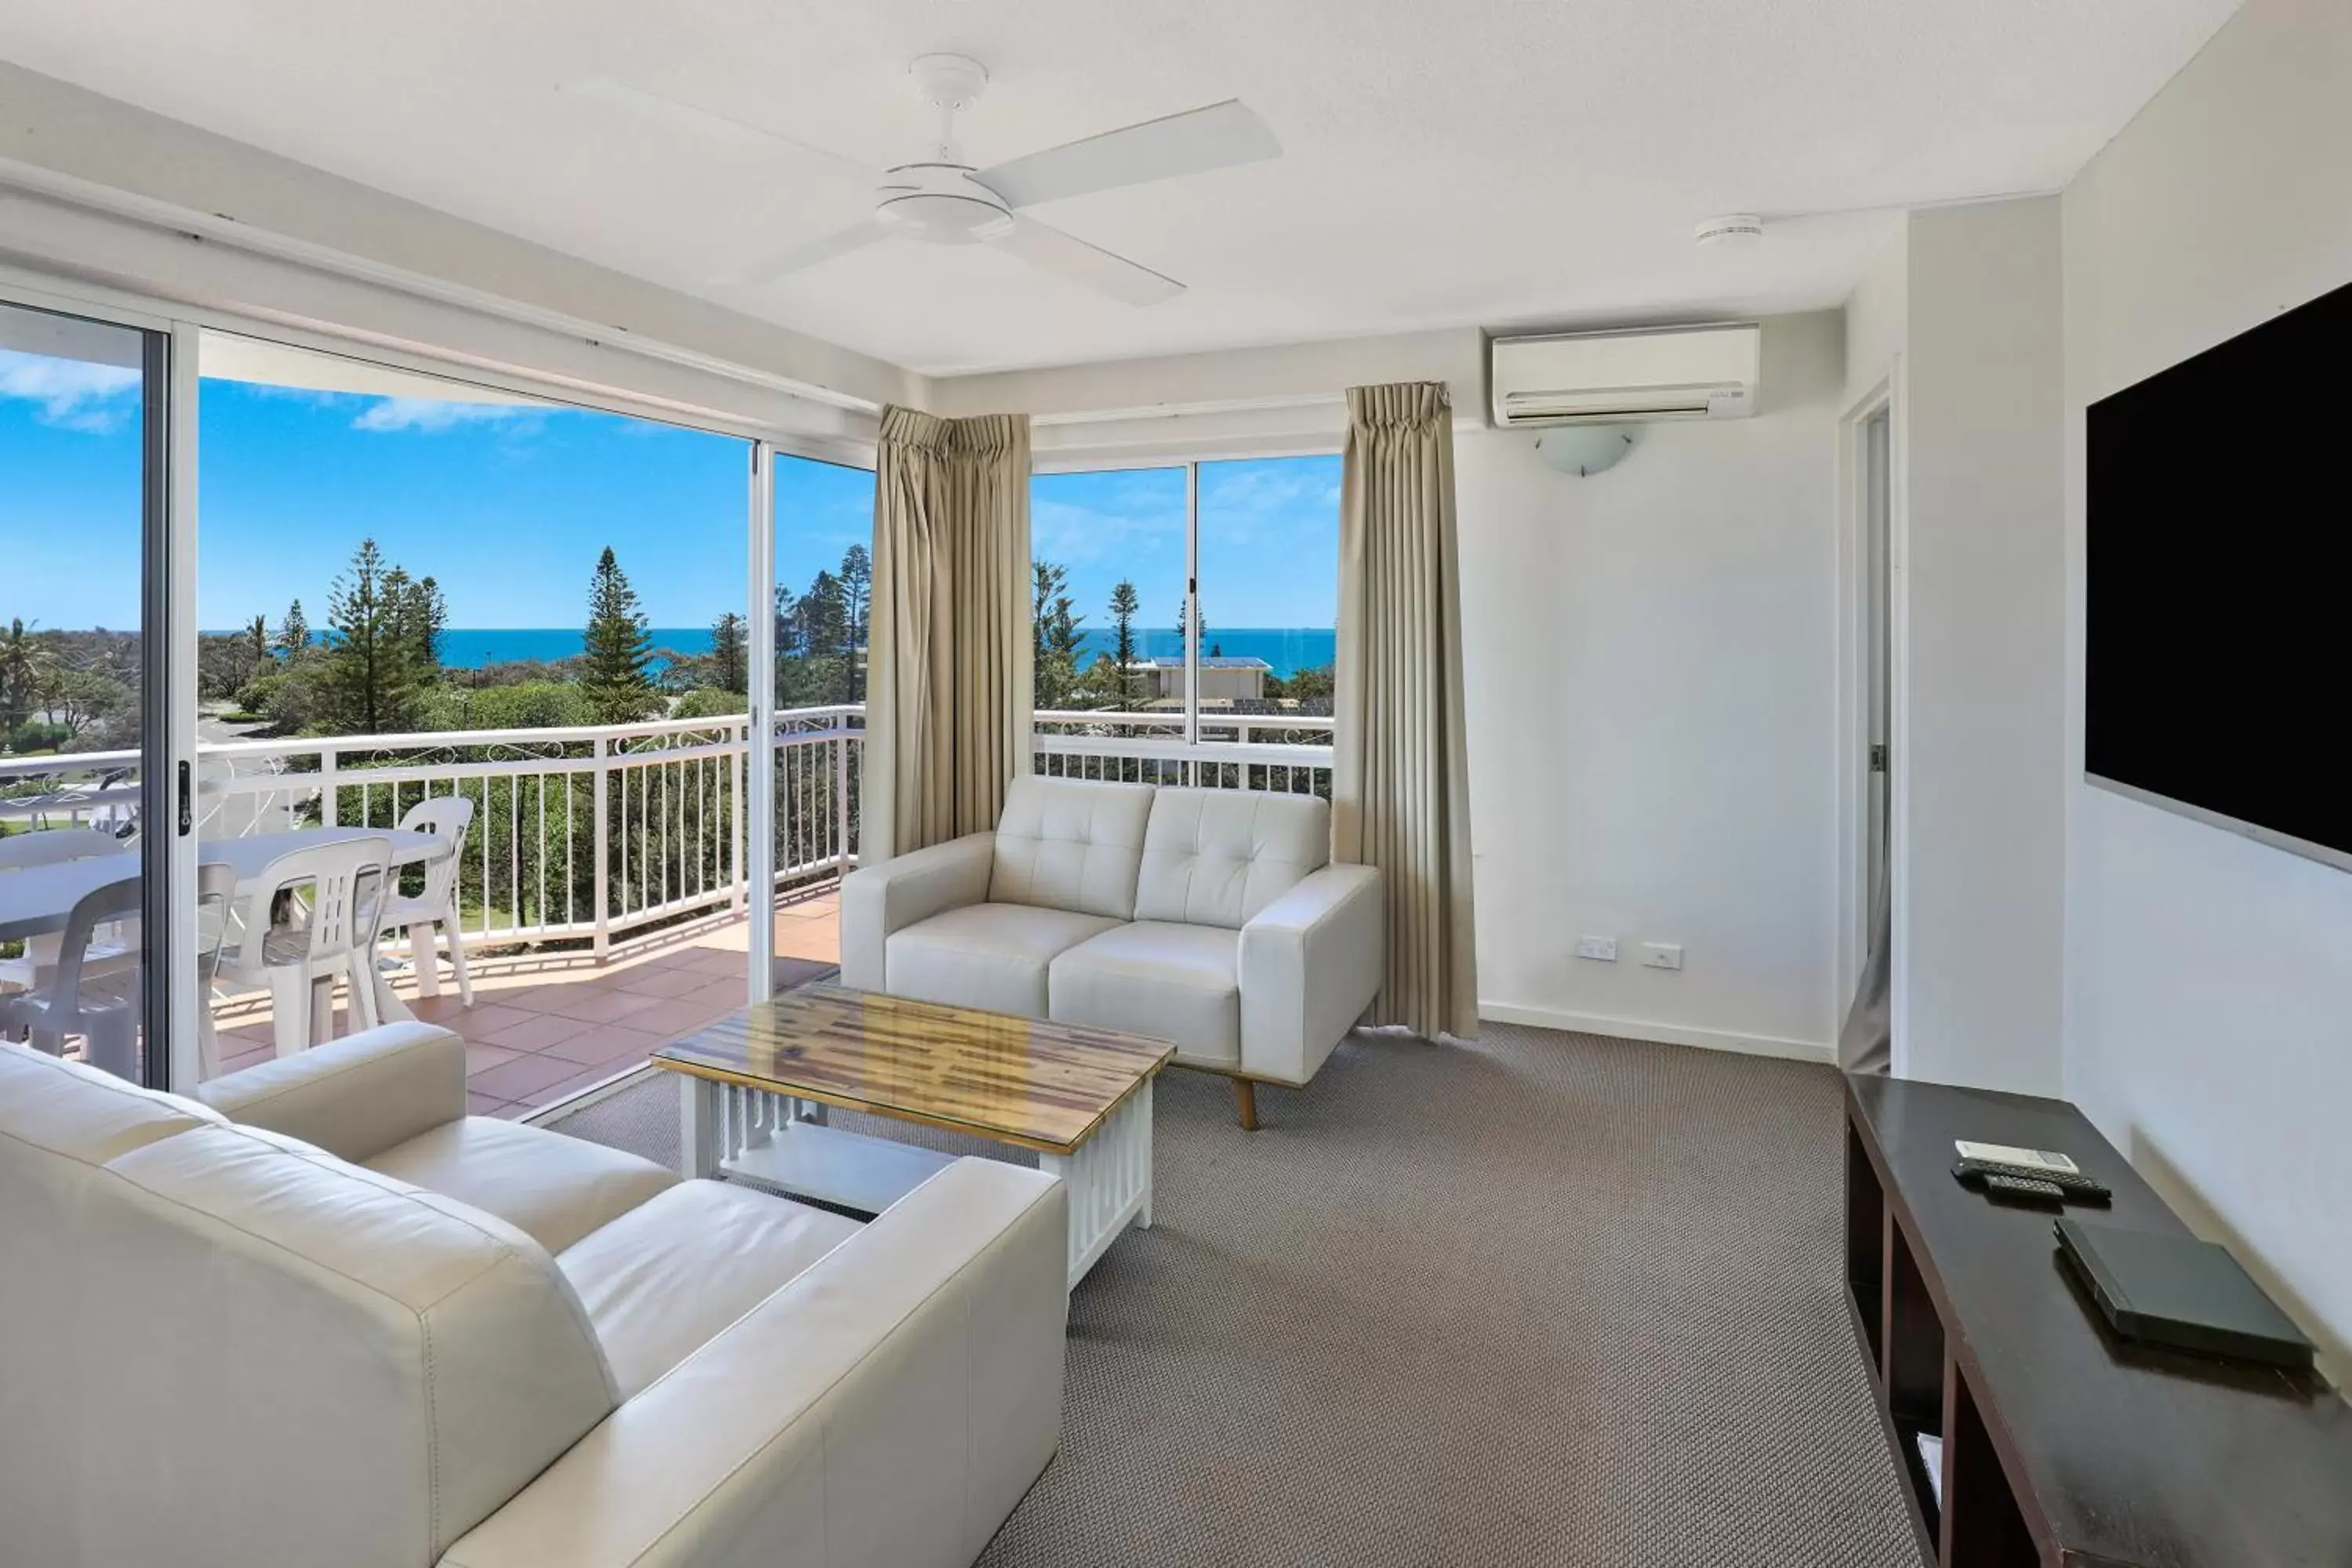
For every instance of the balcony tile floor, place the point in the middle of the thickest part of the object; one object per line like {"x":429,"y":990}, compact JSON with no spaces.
{"x":543,"y":1025}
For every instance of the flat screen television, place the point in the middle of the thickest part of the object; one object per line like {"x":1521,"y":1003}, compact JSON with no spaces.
{"x":2217,"y":657}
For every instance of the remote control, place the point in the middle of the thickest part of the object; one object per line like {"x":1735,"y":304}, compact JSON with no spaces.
{"x":2072,"y":1185}
{"x":2031,"y":1190}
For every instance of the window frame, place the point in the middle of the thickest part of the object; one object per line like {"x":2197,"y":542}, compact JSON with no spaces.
{"x":1192,"y":611}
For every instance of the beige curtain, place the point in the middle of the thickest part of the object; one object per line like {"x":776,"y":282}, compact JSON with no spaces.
{"x":1400,"y":793}
{"x":948,"y":647}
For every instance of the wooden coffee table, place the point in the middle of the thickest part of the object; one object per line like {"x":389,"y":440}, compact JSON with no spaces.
{"x":754,"y":1087}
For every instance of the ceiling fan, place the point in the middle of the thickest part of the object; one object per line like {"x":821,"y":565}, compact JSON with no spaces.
{"x":941,"y":200}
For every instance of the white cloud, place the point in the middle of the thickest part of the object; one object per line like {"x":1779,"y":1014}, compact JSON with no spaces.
{"x":1081,"y":536}
{"x":431,"y":414}
{"x":74,"y":394}
{"x":1285,"y":492}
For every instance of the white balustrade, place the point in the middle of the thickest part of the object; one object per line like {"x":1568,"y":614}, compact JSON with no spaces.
{"x":594,"y":833}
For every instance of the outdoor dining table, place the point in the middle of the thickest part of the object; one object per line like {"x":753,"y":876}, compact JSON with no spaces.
{"x":37,"y":900}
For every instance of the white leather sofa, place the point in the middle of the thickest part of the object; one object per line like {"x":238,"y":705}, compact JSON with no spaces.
{"x":1210,"y":918}
{"x":328,"y":1319}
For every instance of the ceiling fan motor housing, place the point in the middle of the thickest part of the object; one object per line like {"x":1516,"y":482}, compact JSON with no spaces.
{"x":940,"y":203}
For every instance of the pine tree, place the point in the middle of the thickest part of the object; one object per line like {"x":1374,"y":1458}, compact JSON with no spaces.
{"x":424,"y":616}
{"x":1124,"y":603}
{"x":729,"y":666}
{"x":1053,"y":631}
{"x":370,"y":675}
{"x":617,"y":651}
{"x":825,"y":634}
{"x":857,"y":602}
{"x":789,"y":686}
{"x":294,"y":631}
{"x":856,"y":592}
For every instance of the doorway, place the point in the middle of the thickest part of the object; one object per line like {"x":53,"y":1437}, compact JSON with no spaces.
{"x":88,"y":801}
{"x":1876,"y":498}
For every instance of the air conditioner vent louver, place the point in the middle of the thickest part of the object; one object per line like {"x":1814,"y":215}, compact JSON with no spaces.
{"x":1591,"y":378}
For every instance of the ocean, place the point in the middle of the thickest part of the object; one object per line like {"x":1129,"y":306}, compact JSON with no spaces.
{"x":1287,"y":649}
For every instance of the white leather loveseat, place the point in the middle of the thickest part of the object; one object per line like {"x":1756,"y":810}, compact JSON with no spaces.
{"x":329,"y":1320}
{"x":1210,"y":918}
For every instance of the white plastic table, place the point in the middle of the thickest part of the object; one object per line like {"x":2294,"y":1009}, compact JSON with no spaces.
{"x":39,"y":900}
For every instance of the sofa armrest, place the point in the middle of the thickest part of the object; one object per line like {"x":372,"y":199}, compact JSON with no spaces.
{"x":904,"y":891}
{"x":355,"y":1096}
{"x":888,"y":1406}
{"x":1309,"y":965}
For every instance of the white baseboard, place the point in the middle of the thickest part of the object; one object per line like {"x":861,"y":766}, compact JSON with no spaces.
{"x":1660,"y":1034}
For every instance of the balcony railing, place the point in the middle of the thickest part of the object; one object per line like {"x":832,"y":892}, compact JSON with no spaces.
{"x":1287,"y":752}
{"x":595,"y":834}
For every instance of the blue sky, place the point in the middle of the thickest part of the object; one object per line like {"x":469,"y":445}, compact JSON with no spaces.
{"x":1269,"y":539}
{"x":507,"y":507}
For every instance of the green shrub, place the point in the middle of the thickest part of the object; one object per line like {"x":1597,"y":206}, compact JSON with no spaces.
{"x":254,"y":696}
{"x":710,"y":702}
{"x":532,"y":705}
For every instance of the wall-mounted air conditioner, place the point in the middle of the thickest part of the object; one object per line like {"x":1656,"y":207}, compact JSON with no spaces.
{"x":1599,"y":378}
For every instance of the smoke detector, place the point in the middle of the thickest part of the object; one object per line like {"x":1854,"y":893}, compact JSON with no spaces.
{"x":1733,"y":231}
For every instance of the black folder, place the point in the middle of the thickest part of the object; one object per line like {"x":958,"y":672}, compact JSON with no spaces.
{"x":2179,"y":1292}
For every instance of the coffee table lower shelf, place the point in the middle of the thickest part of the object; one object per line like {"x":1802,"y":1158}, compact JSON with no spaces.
{"x":788,"y":1144}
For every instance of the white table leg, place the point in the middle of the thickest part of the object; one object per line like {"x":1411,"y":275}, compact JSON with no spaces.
{"x":288,"y":1017}
{"x":423,"y":960}
{"x":698,"y":1126}
{"x":1143,"y":1155}
{"x":1109,"y":1179}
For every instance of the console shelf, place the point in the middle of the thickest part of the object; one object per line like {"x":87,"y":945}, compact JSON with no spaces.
{"x":2057,"y":1444}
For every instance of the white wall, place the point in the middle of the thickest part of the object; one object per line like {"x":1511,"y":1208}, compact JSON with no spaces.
{"x":1979,"y":747}
{"x":1649,"y":658}
{"x":2209,"y":995}
{"x":1878,"y":316}
{"x":1962,"y":313}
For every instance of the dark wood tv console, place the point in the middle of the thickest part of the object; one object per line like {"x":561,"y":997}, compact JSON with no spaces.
{"x":2062,"y":1446}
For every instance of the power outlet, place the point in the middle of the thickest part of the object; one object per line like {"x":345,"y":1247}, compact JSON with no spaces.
{"x":1662,"y":955}
{"x":1603,"y":948}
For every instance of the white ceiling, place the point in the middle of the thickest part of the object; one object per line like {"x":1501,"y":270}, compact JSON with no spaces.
{"x":1447,"y":163}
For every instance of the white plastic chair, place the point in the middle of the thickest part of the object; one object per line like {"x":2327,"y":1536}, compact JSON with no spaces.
{"x":447,"y":816}
{"x":101,"y":1008}
{"x":216,"y":910}
{"x":51,"y":847}
{"x":336,"y":936}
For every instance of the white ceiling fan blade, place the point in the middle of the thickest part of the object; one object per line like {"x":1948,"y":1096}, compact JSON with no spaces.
{"x":1216,"y":137}
{"x":703,"y":124}
{"x":1042,"y":246}
{"x":801,"y":257}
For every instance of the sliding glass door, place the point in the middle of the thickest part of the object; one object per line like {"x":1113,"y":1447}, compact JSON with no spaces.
{"x":87,"y":803}
{"x":492,"y":643}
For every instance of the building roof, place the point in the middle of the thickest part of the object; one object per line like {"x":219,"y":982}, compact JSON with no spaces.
{"x":1167,"y":662}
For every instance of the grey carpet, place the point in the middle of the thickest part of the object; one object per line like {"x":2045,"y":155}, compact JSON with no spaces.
{"x":1548,"y":1299}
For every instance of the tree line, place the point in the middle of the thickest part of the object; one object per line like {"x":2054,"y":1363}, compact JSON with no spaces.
{"x":1057,"y":633}
{"x":373,"y":666}
{"x":67,"y":690}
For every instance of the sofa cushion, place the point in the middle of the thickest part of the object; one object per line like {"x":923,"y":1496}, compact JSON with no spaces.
{"x":1174,"y":982}
{"x":1070,"y":844}
{"x":285,"y":1358}
{"x":1217,"y":856}
{"x":83,"y":1114}
{"x":662,"y":1279}
{"x":553,"y":1188}
{"x":985,"y":955}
